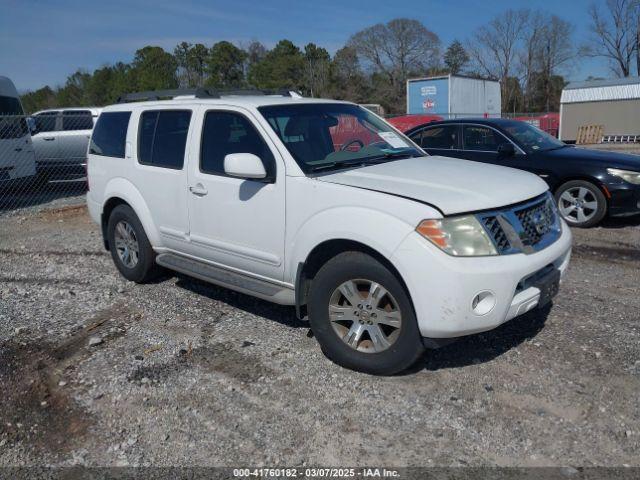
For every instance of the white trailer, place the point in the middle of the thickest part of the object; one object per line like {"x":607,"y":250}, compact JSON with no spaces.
{"x":453,"y":96}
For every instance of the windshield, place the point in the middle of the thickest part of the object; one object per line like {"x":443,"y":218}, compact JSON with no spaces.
{"x":532,"y":138}
{"x":10,"y":106}
{"x":325,"y":136}
{"x":12,"y":121}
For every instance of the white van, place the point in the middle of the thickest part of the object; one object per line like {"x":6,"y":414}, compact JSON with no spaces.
{"x":17,"y":157}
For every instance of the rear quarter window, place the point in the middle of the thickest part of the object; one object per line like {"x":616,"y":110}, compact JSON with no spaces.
{"x":162,"y":138}
{"x":110,"y":134}
{"x":77,"y":120}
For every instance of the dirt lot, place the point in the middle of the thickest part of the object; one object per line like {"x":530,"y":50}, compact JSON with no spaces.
{"x":98,"y":371}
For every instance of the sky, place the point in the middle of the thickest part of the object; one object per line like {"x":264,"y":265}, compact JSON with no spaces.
{"x":45,"y":41}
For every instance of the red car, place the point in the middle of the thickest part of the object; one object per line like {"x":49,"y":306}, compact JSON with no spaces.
{"x":407,"y":122}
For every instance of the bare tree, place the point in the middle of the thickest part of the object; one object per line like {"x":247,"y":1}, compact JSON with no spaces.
{"x":494,"y":48}
{"x":397,"y":49}
{"x":615,"y":34}
{"x":529,"y":55}
{"x":557,"y":51}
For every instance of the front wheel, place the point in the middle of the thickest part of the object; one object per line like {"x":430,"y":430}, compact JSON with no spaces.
{"x":362,"y":316}
{"x":581,"y":203}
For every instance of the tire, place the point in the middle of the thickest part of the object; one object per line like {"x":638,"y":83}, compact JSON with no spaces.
{"x":582,"y":204}
{"x":405,"y":343}
{"x":144,"y":269}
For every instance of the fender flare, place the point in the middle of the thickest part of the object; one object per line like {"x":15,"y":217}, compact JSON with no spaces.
{"x":121,"y":188}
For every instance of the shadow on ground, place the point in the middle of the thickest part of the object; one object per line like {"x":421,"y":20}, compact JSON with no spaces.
{"x":621,"y":222}
{"x":284,"y":315}
{"x":465,"y":351}
{"x":484,"y":347}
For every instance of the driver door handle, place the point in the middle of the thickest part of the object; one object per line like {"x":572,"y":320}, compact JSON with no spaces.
{"x":198,"y":190}
{"x":48,"y":139}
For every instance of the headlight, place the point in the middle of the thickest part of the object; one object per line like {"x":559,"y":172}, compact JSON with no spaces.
{"x":458,"y":236}
{"x":626,"y":175}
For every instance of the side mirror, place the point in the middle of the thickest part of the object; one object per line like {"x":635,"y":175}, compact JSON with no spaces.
{"x":32,"y":125}
{"x":506,"y":150}
{"x":244,"y":165}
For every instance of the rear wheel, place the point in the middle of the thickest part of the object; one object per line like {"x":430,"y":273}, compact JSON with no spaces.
{"x":581,"y":203}
{"x":362,"y":317}
{"x":130,"y":248}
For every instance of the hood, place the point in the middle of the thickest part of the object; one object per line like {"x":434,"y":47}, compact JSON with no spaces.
{"x":599,"y":157}
{"x":451,"y":185}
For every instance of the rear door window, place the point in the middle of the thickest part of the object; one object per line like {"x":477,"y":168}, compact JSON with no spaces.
{"x":440,"y":138}
{"x":46,"y":121}
{"x":162,"y":138}
{"x":77,"y":120}
{"x":110,"y":135}
{"x":481,"y":139}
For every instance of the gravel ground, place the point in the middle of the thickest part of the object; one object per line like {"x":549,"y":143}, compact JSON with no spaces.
{"x":98,"y":371}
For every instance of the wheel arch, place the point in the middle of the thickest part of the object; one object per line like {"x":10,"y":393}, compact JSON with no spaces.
{"x":584,"y":178}
{"x":325,"y":251}
{"x":122,"y":192}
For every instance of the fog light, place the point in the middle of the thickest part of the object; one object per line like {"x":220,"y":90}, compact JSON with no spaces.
{"x":483,"y":303}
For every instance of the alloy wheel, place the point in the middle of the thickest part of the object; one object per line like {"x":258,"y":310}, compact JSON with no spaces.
{"x":126,"y":244}
{"x":578,"y":205}
{"x":365,"y":315}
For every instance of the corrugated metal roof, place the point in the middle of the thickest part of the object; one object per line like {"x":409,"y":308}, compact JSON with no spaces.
{"x":612,"y":82}
{"x":602,"y":90}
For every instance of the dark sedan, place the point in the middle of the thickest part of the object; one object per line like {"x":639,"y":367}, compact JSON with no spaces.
{"x":588,"y":184}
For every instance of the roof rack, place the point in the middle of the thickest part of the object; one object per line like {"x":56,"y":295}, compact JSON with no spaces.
{"x":201,"y":93}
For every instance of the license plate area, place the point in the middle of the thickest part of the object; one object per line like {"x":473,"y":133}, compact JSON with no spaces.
{"x":549,"y":286}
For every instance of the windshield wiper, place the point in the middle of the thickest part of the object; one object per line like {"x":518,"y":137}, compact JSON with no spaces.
{"x":363,"y":161}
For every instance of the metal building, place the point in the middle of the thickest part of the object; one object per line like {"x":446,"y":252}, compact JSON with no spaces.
{"x":614,"y":104}
{"x":453,"y":96}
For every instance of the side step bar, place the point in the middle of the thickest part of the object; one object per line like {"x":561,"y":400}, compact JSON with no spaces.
{"x":227,"y":278}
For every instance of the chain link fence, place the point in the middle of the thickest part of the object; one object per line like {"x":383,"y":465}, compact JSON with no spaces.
{"x":43,"y":158}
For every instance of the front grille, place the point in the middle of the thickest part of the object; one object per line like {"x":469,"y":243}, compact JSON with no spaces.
{"x":523,"y":228}
{"x":537,"y":221}
{"x":495,"y":231}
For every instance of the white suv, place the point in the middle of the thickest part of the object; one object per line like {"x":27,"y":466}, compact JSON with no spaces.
{"x":60,"y":139}
{"x":323,"y":205}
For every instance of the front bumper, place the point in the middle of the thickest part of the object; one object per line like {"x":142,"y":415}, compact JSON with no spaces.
{"x":443,"y":287}
{"x":625,"y":199}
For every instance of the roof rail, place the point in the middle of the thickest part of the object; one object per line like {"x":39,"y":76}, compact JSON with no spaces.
{"x":201,"y":93}
{"x":158,"y":94}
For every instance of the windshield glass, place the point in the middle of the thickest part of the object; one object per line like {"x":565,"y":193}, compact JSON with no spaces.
{"x":10,"y":106}
{"x":531,"y":138}
{"x":325,"y":136}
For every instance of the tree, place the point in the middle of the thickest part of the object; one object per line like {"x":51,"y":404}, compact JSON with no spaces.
{"x":74,"y":92}
{"x":494,"y":49}
{"x":557,"y":51}
{"x":347,"y":80}
{"x":41,"y":99}
{"x":226,"y":65}
{"x":316,"y":69}
{"x":108,"y":83}
{"x":153,"y":69}
{"x":616,"y":34}
{"x":282,"y":67}
{"x":456,"y":57}
{"x":191,"y":61}
{"x":396,"y":50}
{"x":255,"y":52}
